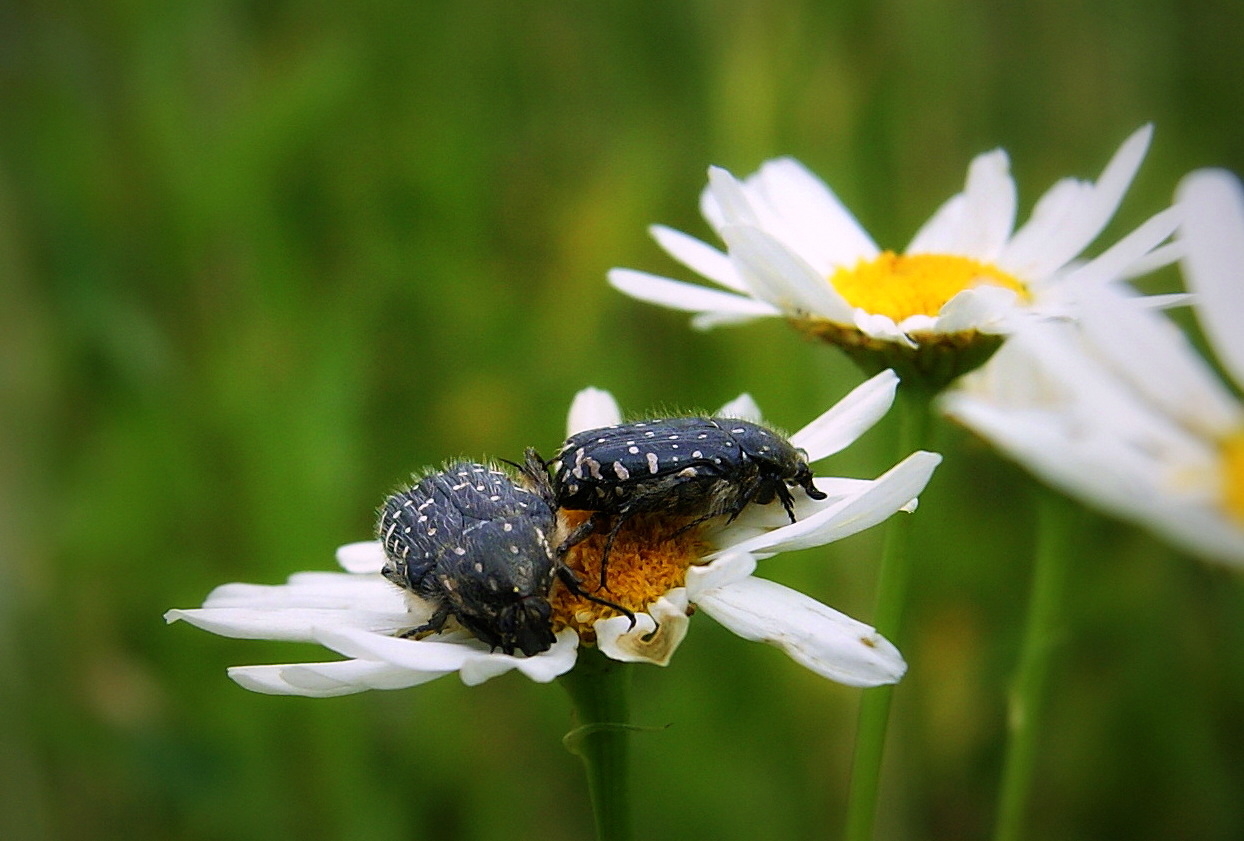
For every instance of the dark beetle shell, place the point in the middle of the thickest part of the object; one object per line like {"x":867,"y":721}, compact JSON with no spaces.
{"x":475,"y":545}
{"x":694,"y":465}
{"x":699,"y":467}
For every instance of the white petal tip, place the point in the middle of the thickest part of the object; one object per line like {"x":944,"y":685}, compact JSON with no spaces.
{"x":362,"y":558}
{"x":592,"y":408}
{"x":743,"y":407}
{"x":655,"y":635}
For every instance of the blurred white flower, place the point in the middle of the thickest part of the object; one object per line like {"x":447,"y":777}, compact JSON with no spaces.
{"x":357,"y":612}
{"x":794,"y":251}
{"x":1119,"y":409}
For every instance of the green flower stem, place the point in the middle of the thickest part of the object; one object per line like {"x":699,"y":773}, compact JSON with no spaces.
{"x":1058,"y":519}
{"x":599,"y":689}
{"x":892,"y":580}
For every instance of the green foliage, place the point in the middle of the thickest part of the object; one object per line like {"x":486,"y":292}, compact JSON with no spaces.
{"x":259,"y":261}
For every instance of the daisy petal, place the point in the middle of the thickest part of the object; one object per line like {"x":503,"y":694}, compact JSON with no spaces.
{"x":937,"y":236}
{"x":689,"y":297}
{"x":592,"y":408}
{"x":472,"y":659}
{"x":1024,"y":256}
{"x":837,"y":488}
{"x":1157,"y":359}
{"x":782,"y":278}
{"x":1105,"y":468}
{"x":824,"y":232}
{"x":326,"y":680}
{"x":1158,"y":258}
{"x":320,"y":590}
{"x":726,"y":201}
{"x":1122,"y":259}
{"x":849,"y":418}
{"x":742,"y":407}
{"x":271,"y":680}
{"x":425,"y":655}
{"x":983,"y":308}
{"x":656,"y":635}
{"x":726,"y":569}
{"x":1113,"y":184}
{"x":989,"y":215}
{"x":1101,"y":200}
{"x":541,"y":668}
{"x":1167,"y":301}
{"x":759,"y":519}
{"x":713,"y":320}
{"x":978,"y":221}
{"x":889,"y":493}
{"x":361,"y":558}
{"x":829,"y":643}
{"x":1213,"y":232}
{"x":878,"y":326}
{"x":699,"y":256}
{"x":289,"y":624}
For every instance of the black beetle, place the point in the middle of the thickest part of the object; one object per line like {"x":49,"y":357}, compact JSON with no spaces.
{"x":474,"y":544}
{"x":699,"y":467}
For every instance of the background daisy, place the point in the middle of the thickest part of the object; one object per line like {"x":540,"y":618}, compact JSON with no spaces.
{"x":795,"y":251}
{"x":1120,"y":410}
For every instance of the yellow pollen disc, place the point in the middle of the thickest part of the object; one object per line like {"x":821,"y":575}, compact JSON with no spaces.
{"x":901,"y":286}
{"x":646,"y":561}
{"x":1233,"y":475}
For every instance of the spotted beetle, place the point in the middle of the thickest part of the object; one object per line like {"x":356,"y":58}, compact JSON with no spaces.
{"x":474,"y":544}
{"x":696,"y":466}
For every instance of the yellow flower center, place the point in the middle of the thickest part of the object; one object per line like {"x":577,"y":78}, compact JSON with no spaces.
{"x":649,"y":557}
{"x":1233,"y":475}
{"x":901,"y":286}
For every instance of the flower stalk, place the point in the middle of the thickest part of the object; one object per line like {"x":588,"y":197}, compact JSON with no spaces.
{"x":892,"y":583}
{"x":1057,"y":521}
{"x":599,"y":690}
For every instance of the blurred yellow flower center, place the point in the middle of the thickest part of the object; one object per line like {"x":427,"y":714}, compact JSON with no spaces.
{"x":901,"y":286}
{"x":649,"y":557}
{"x":1233,"y":475}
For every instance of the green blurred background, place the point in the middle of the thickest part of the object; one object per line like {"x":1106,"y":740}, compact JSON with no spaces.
{"x":261,"y":260}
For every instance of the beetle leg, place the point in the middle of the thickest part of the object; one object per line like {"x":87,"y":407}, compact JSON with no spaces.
{"x":433,"y":626}
{"x":759,"y":488}
{"x":710,"y":515}
{"x":788,"y":501}
{"x":580,"y":533}
{"x":623,"y":516}
{"x":567,"y":576}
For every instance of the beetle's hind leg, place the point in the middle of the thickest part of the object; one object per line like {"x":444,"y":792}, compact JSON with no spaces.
{"x":604,"y":553}
{"x":754,"y":490}
{"x":567,"y":576}
{"x":577,"y":535}
{"x":788,"y":500}
{"x":433,"y":626}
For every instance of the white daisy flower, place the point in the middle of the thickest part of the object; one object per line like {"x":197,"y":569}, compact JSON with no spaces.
{"x":356,"y":613}
{"x":794,"y":251}
{"x":1119,"y":409}
{"x":712,"y":568}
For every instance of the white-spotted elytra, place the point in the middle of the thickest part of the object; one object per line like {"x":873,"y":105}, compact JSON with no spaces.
{"x":699,"y":467}
{"x":475,"y":544}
